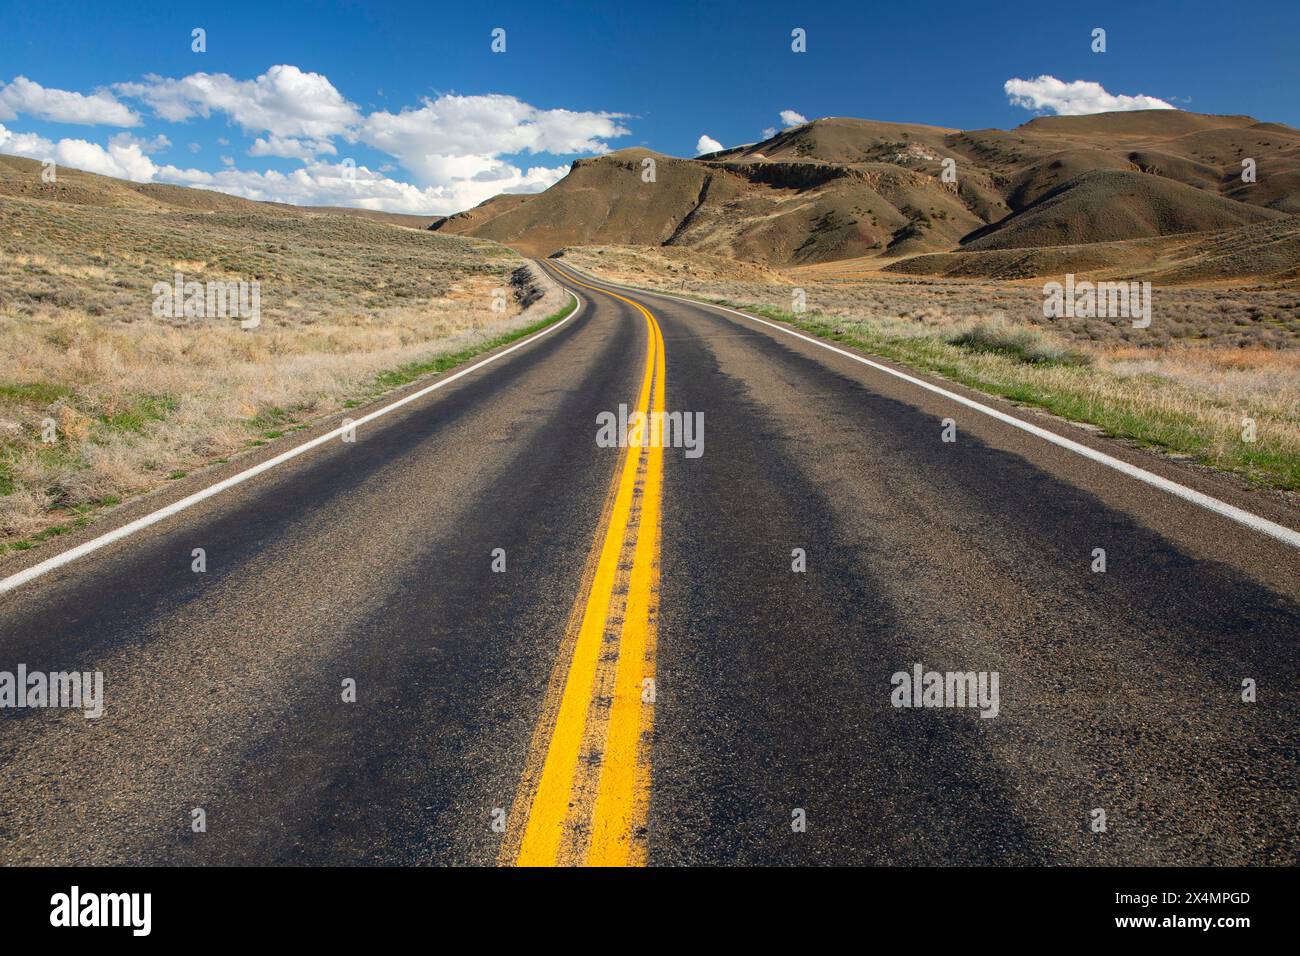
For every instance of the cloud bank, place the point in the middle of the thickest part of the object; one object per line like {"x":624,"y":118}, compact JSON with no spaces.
{"x":454,"y":147}
{"x":1077,"y":98}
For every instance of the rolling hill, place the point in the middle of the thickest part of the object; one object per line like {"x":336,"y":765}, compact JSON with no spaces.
{"x":840,"y":188}
{"x":1107,"y":204}
{"x":20,"y":178}
{"x":1087,"y":192}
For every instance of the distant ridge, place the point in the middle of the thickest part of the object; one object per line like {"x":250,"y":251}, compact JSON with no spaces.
{"x":842,"y":188}
{"x":1140,"y":190}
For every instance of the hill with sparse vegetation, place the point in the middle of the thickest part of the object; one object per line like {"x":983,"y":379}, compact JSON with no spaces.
{"x":839,"y":189}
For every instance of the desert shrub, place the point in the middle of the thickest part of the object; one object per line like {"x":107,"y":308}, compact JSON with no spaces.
{"x":1021,"y":342}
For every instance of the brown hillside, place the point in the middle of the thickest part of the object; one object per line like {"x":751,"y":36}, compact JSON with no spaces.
{"x":846,"y":189}
{"x":840,"y":188}
{"x":1111,"y":205}
{"x":604,"y":200}
{"x":21,"y":178}
{"x":471,"y":218}
{"x":403,"y":219}
{"x":1268,"y":251}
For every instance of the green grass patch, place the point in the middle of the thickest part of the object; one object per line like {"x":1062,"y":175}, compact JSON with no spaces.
{"x":270,"y":417}
{"x":34,"y":393}
{"x":150,"y":408}
{"x":31,"y":541}
{"x":1032,"y":371}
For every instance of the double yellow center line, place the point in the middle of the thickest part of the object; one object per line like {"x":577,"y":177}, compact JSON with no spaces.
{"x":586,"y":783}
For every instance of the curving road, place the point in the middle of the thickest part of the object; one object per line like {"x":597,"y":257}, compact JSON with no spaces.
{"x":650,"y":679}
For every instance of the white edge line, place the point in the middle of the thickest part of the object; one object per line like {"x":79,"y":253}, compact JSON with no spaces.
{"x":1232,"y":512}
{"x":117,"y":534}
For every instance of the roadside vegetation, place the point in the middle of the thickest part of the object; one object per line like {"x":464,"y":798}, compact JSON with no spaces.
{"x":1176,"y":395}
{"x":350,"y":310}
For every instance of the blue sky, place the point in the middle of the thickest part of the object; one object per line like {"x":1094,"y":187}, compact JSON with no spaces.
{"x":404,"y":106}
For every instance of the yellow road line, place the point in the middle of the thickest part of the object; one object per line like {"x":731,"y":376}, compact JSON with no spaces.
{"x":624,"y":794}
{"x":567,"y":820}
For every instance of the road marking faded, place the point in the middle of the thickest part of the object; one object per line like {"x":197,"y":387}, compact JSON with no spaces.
{"x":588,"y":801}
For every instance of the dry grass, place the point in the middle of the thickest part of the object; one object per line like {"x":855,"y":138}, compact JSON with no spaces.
{"x":1181,"y":315}
{"x":1213,"y":358}
{"x":137,"y":400}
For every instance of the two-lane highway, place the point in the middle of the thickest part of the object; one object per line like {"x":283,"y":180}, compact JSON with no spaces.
{"x":567,"y":652}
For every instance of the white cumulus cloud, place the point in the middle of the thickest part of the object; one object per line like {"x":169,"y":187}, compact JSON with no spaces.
{"x":155,"y":144}
{"x":458,"y":136}
{"x":454,"y":144}
{"x":23,"y":96}
{"x":284,"y":100}
{"x":789,"y":118}
{"x":458,"y":150}
{"x":337,"y":184}
{"x":1075,"y":98}
{"x":29,"y":145}
{"x":288,"y":147}
{"x":123,"y":158}
{"x":707,"y":144}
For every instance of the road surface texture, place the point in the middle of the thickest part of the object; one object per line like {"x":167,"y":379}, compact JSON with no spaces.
{"x":674,"y":658}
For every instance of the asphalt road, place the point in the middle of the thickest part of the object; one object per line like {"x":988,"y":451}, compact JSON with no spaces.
{"x":649,"y":679}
